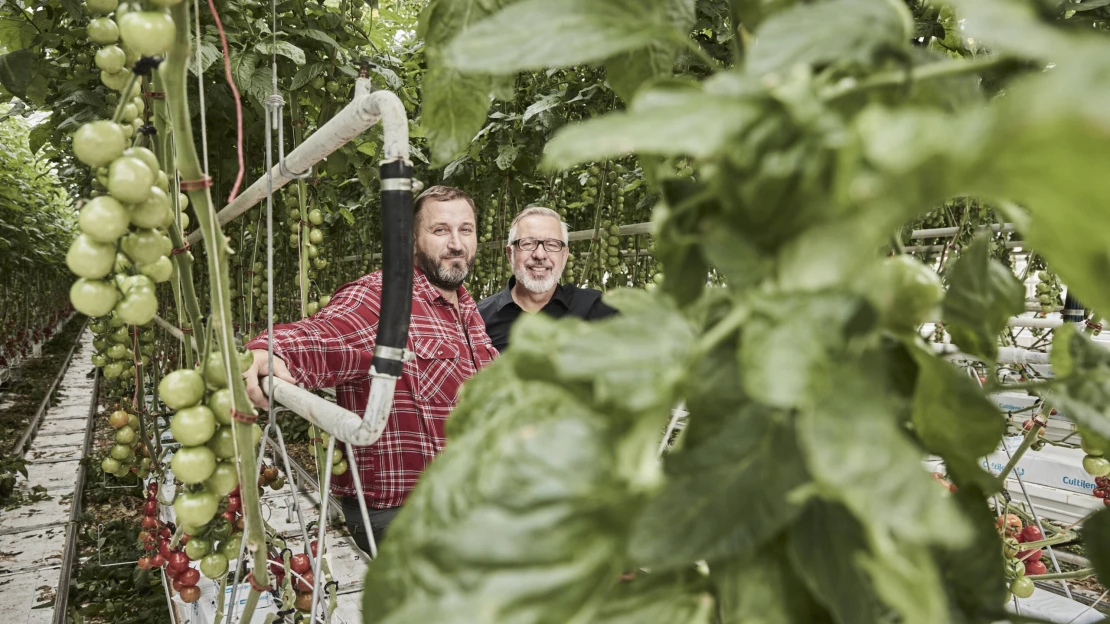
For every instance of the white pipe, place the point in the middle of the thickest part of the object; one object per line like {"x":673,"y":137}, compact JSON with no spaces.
{"x":341,"y":424}
{"x":1007,"y":244}
{"x":1006,"y":355}
{"x":1046,"y":323}
{"x":363,"y":112}
{"x":947,"y":232}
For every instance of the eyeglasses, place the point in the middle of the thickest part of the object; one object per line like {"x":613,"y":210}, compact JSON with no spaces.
{"x":530,"y":244}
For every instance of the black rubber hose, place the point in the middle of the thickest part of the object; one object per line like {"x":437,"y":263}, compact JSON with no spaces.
{"x":393,"y":325}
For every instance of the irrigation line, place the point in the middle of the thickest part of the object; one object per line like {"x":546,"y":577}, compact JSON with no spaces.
{"x":69,"y":553}
{"x":20,"y":447}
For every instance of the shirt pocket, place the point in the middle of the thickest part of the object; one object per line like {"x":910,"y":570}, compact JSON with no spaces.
{"x":438,"y":373}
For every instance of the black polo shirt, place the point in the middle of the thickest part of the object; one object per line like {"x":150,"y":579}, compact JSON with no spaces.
{"x":499,"y":311}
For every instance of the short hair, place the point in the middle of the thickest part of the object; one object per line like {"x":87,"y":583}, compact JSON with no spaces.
{"x":538,"y":211}
{"x":440,"y":193}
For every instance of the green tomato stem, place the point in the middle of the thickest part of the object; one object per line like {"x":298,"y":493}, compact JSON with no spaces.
{"x":188,"y":164}
{"x":118,"y":114}
{"x":1030,"y":437}
{"x":1063,"y":576}
{"x":932,"y":71}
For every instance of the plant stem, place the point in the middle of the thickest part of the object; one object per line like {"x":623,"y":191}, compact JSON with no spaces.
{"x":932,"y":71}
{"x":1063,"y":576}
{"x":1030,"y":437}
{"x":174,"y":73}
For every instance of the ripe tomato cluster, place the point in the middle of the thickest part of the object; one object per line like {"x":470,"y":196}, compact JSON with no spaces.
{"x":1020,"y":563}
{"x":302,"y":578}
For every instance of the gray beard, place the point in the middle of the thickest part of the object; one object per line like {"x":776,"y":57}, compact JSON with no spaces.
{"x":445,"y":277}
{"x":538,"y":286}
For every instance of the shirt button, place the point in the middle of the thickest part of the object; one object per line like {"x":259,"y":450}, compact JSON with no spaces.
{"x":440,"y":352}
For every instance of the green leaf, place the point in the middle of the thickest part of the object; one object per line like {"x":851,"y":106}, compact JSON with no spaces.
{"x":975,"y":575}
{"x":906,"y":578}
{"x":545,"y":103}
{"x":346,"y":214}
{"x":751,"y":13}
{"x":982,"y":296}
{"x":840,"y":31}
{"x":453,"y":110}
{"x":724,"y":497}
{"x":951,"y":414}
{"x":634,"y":361}
{"x":1082,"y":388}
{"x":261,"y":85}
{"x":679,"y":598}
{"x":506,"y":155}
{"x":887,"y":485}
{"x":283,"y":48}
{"x":242,"y":69}
{"x":321,"y":36}
{"x":17,"y":69}
{"x":16,"y":34}
{"x":306,"y":73}
{"x":661,"y":122}
{"x":1096,"y":542}
{"x":763,"y":588}
{"x":825,"y":544}
{"x":1061,"y":140}
{"x":39,"y":135}
{"x":525,"y":504}
{"x":784,"y":355}
{"x":535,"y":34}
{"x":627,"y":72}
{"x":209,"y":54}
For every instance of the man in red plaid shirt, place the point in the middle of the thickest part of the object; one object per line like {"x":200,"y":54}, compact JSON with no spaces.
{"x":334,"y":347}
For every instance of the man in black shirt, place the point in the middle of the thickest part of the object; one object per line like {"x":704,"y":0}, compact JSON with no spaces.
{"x":538,"y":254}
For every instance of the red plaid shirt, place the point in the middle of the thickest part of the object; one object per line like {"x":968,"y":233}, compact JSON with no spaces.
{"x":334,"y":348}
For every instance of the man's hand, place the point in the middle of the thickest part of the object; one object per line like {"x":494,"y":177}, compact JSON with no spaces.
{"x":260,"y":369}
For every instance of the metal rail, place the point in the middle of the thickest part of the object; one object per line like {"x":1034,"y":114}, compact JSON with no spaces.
{"x":69,"y":553}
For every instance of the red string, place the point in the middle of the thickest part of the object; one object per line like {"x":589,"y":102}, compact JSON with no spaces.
{"x":180,"y":250}
{"x":136,"y":362}
{"x":195,"y":185}
{"x":256,"y":587}
{"x":235,"y":94}
{"x":248,"y":418}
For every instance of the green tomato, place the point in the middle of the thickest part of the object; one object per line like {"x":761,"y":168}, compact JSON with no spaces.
{"x":104,"y":220}
{"x":147,"y":157}
{"x":161,"y":270}
{"x":110,"y":59}
{"x":89,"y":258}
{"x":230,"y":546}
{"x":101,"y":6}
{"x":110,"y":465}
{"x":149,"y":33}
{"x":220,"y":404}
{"x":195,"y":508}
{"x":197,"y":548}
{"x":181,"y":388}
{"x":129,"y":180}
{"x":1092,"y":444}
{"x":193,"y":464}
{"x":222,"y":443}
{"x":214,"y":566}
{"x":318,"y":82}
{"x":118,"y":352}
{"x":103,"y":31}
{"x":905,"y":292}
{"x":1022,"y":587}
{"x":224,"y":479}
{"x":98,"y":143}
{"x":129,"y":114}
{"x":138,"y":307}
{"x":93,"y":297}
{"x":339,"y":468}
{"x":117,"y":81}
{"x":315,"y":217}
{"x":144,"y":246}
{"x":315,"y":237}
{"x":125,"y":435}
{"x":1096,"y":466}
{"x":133,"y":421}
{"x":120,"y":452}
{"x":325,"y":300}
{"x":193,"y":426}
{"x":311,"y":308}
{"x":135,"y":283}
{"x":112,"y":370}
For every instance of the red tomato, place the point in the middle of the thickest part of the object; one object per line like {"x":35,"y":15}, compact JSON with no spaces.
{"x":144,"y":563}
{"x":1033,"y":568}
{"x":157,"y":561}
{"x":1031,"y":534}
{"x":189,"y":577}
{"x":179,"y":561}
{"x":164,"y":548}
{"x":149,"y":523}
{"x":304,"y":582}
{"x":300,"y":564}
{"x":1029,"y":555}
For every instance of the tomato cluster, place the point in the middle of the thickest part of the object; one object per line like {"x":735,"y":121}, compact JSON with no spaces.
{"x":1102,"y":489}
{"x":298,"y":569}
{"x":128,"y":446}
{"x":338,"y":463}
{"x":1020,"y":563}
